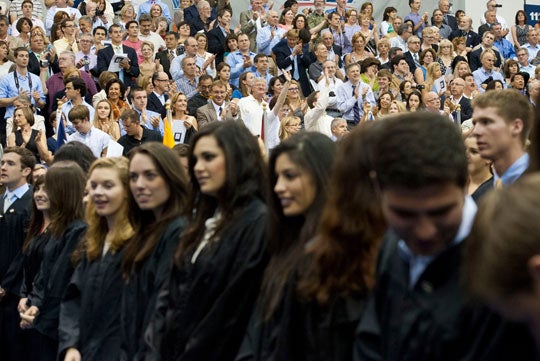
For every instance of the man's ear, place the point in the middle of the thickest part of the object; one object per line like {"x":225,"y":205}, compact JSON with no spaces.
{"x":533,"y":266}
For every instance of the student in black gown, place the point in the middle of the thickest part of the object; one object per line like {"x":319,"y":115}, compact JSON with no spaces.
{"x":158,"y":205}
{"x":17,"y":165}
{"x":65,"y":186}
{"x":300,"y":171}
{"x":32,"y":253}
{"x":203,"y":311}
{"x":90,"y":311}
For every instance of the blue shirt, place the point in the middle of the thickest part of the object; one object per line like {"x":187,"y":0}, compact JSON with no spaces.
{"x":18,"y":192}
{"x":185,"y":86}
{"x":147,"y":123}
{"x":8,"y":89}
{"x":416,"y":18}
{"x":480,"y":75}
{"x":505,"y":48}
{"x":176,"y":66}
{"x":346,"y":101}
{"x":419,"y":263}
{"x":264,"y":40}
{"x":514,"y":172}
{"x":144,"y":8}
{"x":236,"y":61}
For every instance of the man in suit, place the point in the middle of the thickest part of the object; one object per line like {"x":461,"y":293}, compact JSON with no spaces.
{"x":216,"y":36}
{"x":487,"y":43}
{"x":291,"y":54}
{"x":456,"y":89}
{"x":158,"y":97}
{"x":334,"y":51}
{"x":129,"y":67}
{"x":15,"y":209}
{"x":149,"y":119}
{"x":216,"y":110}
{"x":250,"y":20}
{"x":166,"y":56}
{"x":191,"y":12}
{"x":413,"y":54}
{"x":465,"y":30}
{"x":491,"y":19}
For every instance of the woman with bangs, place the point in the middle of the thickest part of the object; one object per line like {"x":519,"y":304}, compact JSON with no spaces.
{"x":90,"y":312}
{"x":65,"y":187}
{"x":158,"y":204}
{"x":203,"y":310}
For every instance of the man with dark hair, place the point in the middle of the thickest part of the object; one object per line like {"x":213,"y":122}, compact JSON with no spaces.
{"x":400,"y":68}
{"x":418,"y":310}
{"x":201,"y":97}
{"x":27,"y":9}
{"x":129,"y":67}
{"x":400,"y":41}
{"x":419,"y":21}
{"x":503,"y":121}
{"x":217,"y":36}
{"x":135,"y":133}
{"x":15,"y":208}
{"x":148,"y":118}
{"x":146,"y":25}
{"x":75,"y":93}
{"x":100,"y":35}
{"x":291,"y":54}
{"x":160,"y":94}
{"x":167,"y":55}
{"x":132,"y":40}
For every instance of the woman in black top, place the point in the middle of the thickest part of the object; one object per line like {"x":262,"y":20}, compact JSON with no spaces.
{"x":158,"y":204}
{"x":204,"y":309}
{"x":90,"y":311}
{"x":24,"y":136}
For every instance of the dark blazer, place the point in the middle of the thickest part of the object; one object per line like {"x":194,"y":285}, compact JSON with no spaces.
{"x":282,"y":53}
{"x":163,"y":57}
{"x":482,"y":29}
{"x":191,"y":13}
{"x":216,"y":43}
{"x":34,"y":67}
{"x":466,"y":109}
{"x":155,"y":105}
{"x":472,"y":38}
{"x":410,"y":60}
{"x":105,"y":55}
{"x":474,"y":58}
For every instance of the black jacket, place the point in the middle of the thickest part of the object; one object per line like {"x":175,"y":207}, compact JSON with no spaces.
{"x":282,"y":54}
{"x":90,"y":312}
{"x":105,"y":55}
{"x":140,"y":293}
{"x":155,"y":105}
{"x":432,"y":320}
{"x":204,"y":310}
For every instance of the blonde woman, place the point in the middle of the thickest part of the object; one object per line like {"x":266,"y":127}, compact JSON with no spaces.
{"x":149,"y":65}
{"x":289,"y":126}
{"x":179,"y":115}
{"x":126,"y":14}
{"x":296,"y":100}
{"x":359,"y":52}
{"x":445,"y":55}
{"x":103,"y":119}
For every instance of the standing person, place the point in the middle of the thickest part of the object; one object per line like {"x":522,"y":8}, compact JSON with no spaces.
{"x":419,"y":21}
{"x":241,"y":60}
{"x":300,"y":174}
{"x":158,"y":202}
{"x":352,"y":96}
{"x":129,"y":67}
{"x":502,"y":124}
{"x":17,"y":164}
{"x":90,"y":312}
{"x":65,"y":188}
{"x":204,"y":309}
{"x":417,"y":310}
{"x":217,"y":109}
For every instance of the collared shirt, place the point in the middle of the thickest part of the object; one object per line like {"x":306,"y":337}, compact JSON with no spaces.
{"x":15,"y":8}
{"x":480,"y":75}
{"x":266,"y":76}
{"x":528,"y":69}
{"x":161,"y":97}
{"x":340,"y":38}
{"x":445,"y":31}
{"x":176,"y":65}
{"x":147,"y":123}
{"x":92,"y":58}
{"x":236,"y":62}
{"x":216,"y":108}
{"x":155,"y":39}
{"x":416,"y":18}
{"x":513,"y":172}
{"x":9,"y":89}
{"x":265,"y":42}
{"x":62,"y":44}
{"x":398,"y":42}
{"x":506,"y":48}
{"x":18,"y":192}
{"x":188,"y":87}
{"x":418,"y":263}
{"x":315,"y":19}
{"x":346,"y":100}
{"x":533,"y":50}
{"x":96,"y":139}
{"x":251,"y":112}
{"x":144,"y":8}
{"x":67,"y":106}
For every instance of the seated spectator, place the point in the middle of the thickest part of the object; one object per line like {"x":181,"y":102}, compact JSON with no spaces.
{"x":96,"y":139}
{"x":135,"y":133}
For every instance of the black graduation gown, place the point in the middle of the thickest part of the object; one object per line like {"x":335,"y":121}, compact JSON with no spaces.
{"x":32,"y":262}
{"x":90,"y":312}
{"x":203,"y":312}
{"x":53,"y":278}
{"x":432,"y":321}
{"x":140,"y":293}
{"x":13,"y":226}
{"x":303,"y":330}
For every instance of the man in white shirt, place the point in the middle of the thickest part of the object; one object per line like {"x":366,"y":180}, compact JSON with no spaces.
{"x":316,"y":119}
{"x":145,"y":24}
{"x":75,"y":93}
{"x":400,"y":41}
{"x":96,"y":139}
{"x":26,"y":10}
{"x":60,"y":5}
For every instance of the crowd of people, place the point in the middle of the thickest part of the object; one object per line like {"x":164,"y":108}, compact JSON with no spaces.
{"x":301,"y":187}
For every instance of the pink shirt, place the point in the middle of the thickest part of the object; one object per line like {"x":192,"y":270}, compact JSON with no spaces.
{"x":137,"y":47}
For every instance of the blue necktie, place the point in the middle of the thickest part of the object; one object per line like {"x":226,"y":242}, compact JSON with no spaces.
{"x":356,"y":107}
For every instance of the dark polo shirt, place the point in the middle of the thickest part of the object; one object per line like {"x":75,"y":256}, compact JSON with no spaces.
{"x":129,"y":142}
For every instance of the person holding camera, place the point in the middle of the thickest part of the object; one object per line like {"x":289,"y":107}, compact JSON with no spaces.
{"x":85,"y":60}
